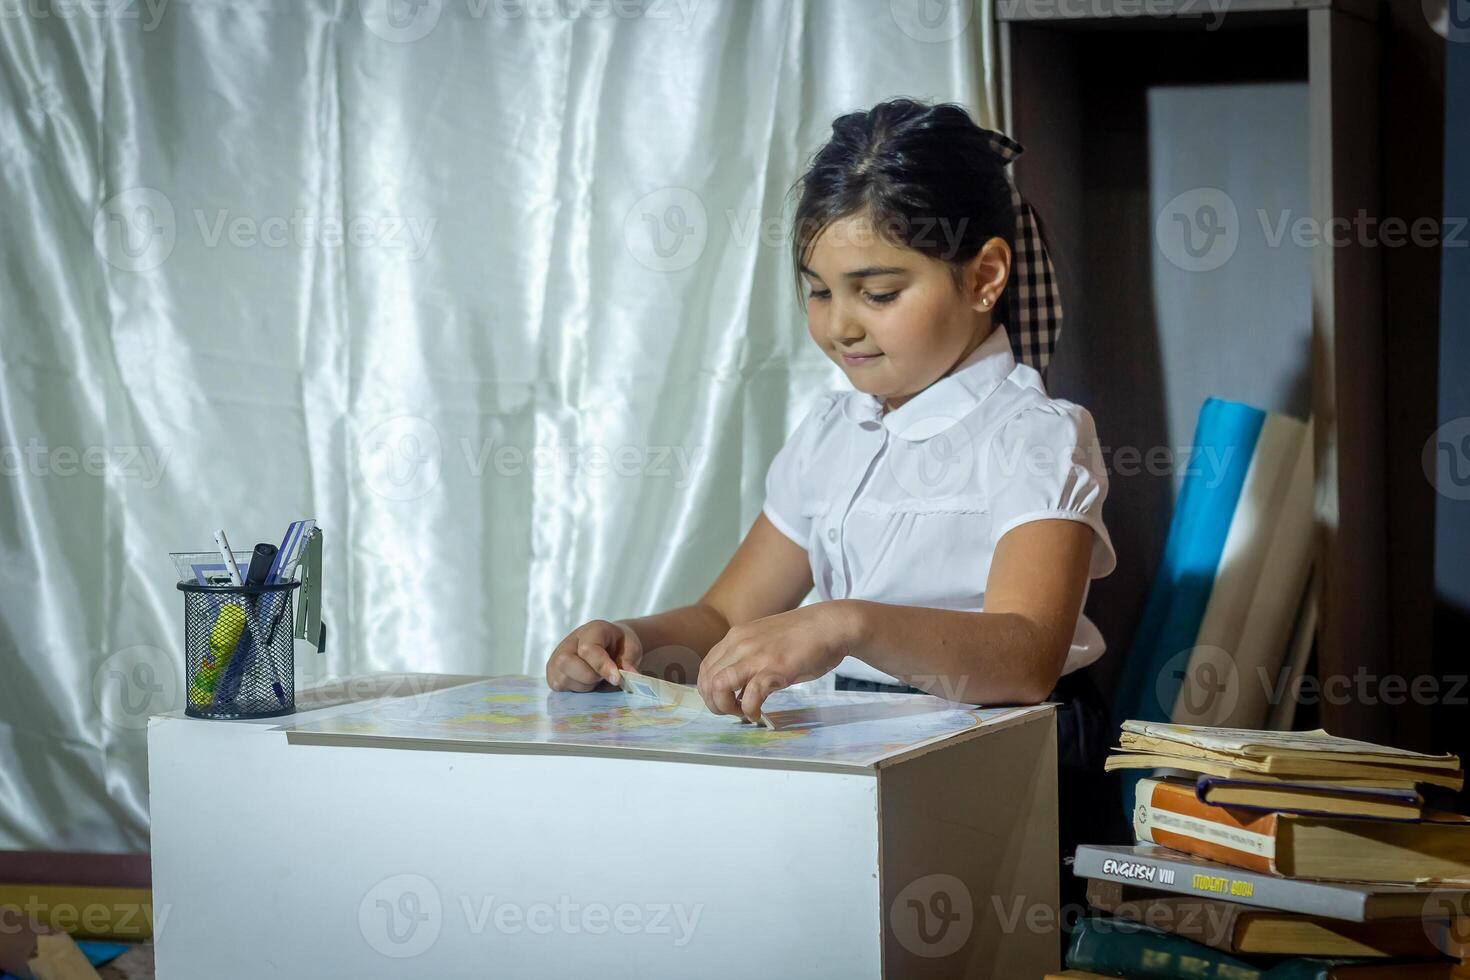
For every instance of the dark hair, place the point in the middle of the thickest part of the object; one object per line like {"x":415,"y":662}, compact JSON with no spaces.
{"x":925,"y":175}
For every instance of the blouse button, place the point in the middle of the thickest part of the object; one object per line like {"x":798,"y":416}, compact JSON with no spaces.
{"x":831,"y":534}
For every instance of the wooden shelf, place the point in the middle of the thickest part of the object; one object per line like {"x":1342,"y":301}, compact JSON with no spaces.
{"x":1086,"y":95}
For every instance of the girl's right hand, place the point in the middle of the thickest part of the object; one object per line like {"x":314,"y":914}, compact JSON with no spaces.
{"x":591,"y":653}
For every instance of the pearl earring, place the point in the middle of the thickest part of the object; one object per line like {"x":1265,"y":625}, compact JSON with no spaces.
{"x":985,"y":301}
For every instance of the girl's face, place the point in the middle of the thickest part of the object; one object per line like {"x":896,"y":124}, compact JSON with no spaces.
{"x":894,"y":319}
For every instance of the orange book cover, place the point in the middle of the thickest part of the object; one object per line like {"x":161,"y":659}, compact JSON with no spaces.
{"x":1171,"y":815}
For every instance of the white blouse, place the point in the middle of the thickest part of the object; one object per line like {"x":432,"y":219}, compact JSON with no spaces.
{"x":906,"y":507}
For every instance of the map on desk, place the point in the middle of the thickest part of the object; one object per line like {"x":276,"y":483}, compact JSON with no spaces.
{"x":835,"y":730}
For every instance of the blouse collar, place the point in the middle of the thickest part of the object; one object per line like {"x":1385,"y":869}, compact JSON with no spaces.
{"x":947,"y":400}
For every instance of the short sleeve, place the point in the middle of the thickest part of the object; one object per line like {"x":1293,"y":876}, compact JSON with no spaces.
{"x":783,"y":506}
{"x":1044,"y":463}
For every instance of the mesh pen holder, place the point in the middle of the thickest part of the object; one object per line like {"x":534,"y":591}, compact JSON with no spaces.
{"x":239,"y":650}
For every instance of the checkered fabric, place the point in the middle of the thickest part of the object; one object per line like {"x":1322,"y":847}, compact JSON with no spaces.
{"x":1033,"y":297}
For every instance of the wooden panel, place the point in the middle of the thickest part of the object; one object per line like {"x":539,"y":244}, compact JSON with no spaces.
{"x":1347,"y":338}
{"x":1086,"y":108}
{"x":969,"y":858}
{"x":1413,"y":186}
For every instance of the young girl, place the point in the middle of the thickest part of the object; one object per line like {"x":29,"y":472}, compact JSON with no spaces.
{"x":947,"y":510}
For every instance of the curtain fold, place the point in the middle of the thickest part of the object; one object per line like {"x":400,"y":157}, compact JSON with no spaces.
{"x":496,"y":290}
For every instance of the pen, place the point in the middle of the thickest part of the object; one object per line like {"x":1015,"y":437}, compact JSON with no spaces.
{"x":260,"y":567}
{"x":228,"y":556}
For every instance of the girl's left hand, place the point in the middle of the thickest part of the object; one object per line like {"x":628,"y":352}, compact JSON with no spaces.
{"x":771,"y":653}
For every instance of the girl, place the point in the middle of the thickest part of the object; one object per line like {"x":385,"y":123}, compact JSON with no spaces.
{"x":947,"y":510}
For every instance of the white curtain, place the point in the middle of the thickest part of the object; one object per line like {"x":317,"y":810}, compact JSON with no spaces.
{"x":496,"y":290}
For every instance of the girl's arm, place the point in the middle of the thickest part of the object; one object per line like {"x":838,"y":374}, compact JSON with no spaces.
{"x":1013,"y":652}
{"x":769,"y":573}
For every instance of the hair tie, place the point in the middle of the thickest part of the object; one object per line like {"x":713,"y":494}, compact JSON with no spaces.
{"x":1035,"y":303}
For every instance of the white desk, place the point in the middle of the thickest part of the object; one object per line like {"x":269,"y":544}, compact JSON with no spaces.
{"x":491,"y":829}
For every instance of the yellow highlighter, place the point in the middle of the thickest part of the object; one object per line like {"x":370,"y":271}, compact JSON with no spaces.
{"x":228,"y":628}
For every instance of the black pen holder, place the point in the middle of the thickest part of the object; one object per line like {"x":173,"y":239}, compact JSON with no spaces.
{"x":239,"y":650}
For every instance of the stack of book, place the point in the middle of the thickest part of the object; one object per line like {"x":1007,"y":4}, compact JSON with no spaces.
{"x":1278,"y":856}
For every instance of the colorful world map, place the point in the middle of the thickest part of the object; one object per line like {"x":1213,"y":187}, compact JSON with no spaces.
{"x":836,"y":729}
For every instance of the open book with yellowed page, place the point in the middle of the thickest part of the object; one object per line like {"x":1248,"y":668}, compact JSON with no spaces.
{"x":1316,"y":756}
